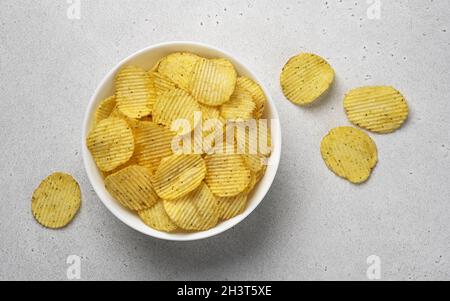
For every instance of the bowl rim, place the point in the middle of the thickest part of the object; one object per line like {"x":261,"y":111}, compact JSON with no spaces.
{"x":275,"y":156}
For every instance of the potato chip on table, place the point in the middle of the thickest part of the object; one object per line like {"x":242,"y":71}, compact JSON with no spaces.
{"x":380,"y":109}
{"x":350,"y":153}
{"x":56,"y":201}
{"x":305,"y":78}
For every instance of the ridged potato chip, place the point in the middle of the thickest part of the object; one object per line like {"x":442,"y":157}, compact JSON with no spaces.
{"x":135,"y":92}
{"x":255,"y":140}
{"x":380,"y":109}
{"x":161,"y":83}
{"x":255,"y":162}
{"x":133,"y":161}
{"x":197,"y":211}
{"x":105,"y":109}
{"x":153,"y":143}
{"x":256,"y":92}
{"x":178,"y":67}
{"x":56,"y":201}
{"x":132,"y":188}
{"x":350,"y":153}
{"x":174,"y":105}
{"x":132,"y":122}
{"x":203,"y":138}
{"x":305,"y":78}
{"x":232,"y":206}
{"x":213,"y":82}
{"x":251,"y":185}
{"x":156,"y":217}
{"x":209,"y":112}
{"x":240,"y":106}
{"x":111,"y":143}
{"x":227,"y":174}
{"x":260,"y":174}
{"x":178,"y":175}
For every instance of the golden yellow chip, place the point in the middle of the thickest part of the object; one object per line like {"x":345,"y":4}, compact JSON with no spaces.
{"x":255,"y":162}
{"x":232,"y":206}
{"x":178,"y":175}
{"x":176,"y":105}
{"x":135,"y":92}
{"x":212,"y":82}
{"x":132,"y":187}
{"x":213,"y":130}
{"x":161,"y":83}
{"x":260,"y":174}
{"x":105,"y":109}
{"x":224,"y":63}
{"x":305,"y":78}
{"x":190,"y":144}
{"x":256,"y":92}
{"x":252,"y":183}
{"x":153,"y":142}
{"x":252,"y":137}
{"x":133,"y":161}
{"x":227,"y":174}
{"x":56,"y":201}
{"x":133,"y":123}
{"x":380,"y":109}
{"x":178,"y":67}
{"x":240,"y":106}
{"x":349,"y":153}
{"x":209,"y":112}
{"x":111,"y":143}
{"x":197,"y":211}
{"x":156,"y":217}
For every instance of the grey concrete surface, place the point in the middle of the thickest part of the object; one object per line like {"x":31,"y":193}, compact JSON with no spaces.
{"x":312,"y":225}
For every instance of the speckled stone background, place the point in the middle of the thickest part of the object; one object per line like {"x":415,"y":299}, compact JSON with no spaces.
{"x":312,"y":225}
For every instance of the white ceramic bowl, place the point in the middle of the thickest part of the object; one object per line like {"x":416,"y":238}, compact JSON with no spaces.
{"x":147,"y":58}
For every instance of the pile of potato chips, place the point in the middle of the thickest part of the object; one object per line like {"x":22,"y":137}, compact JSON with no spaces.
{"x":136,"y":136}
{"x":347,"y":151}
{"x":135,"y":130}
